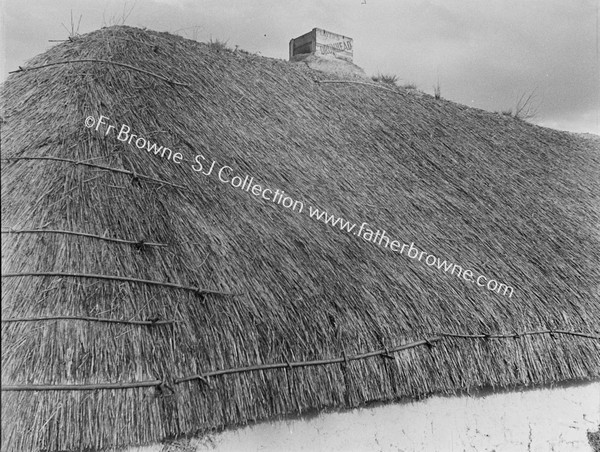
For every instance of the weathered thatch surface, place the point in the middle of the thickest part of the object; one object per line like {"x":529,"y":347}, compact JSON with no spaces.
{"x":518,"y":202}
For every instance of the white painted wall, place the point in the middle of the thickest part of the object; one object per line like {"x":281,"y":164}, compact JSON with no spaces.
{"x":535,"y":420}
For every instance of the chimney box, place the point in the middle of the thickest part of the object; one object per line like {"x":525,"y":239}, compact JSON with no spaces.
{"x":321,"y":43}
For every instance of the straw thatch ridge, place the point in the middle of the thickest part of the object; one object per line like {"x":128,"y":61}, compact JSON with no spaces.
{"x":517,"y":202}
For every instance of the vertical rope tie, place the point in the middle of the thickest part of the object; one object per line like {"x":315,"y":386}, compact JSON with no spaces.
{"x":289,"y":365}
{"x":386,"y":354}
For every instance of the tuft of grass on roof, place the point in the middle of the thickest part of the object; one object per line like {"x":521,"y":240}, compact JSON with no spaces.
{"x":116,"y":19}
{"x":390,"y":79}
{"x":74,"y":30}
{"x":409,"y":85}
{"x":218,"y":45}
{"x":524,"y":108}
{"x":437,"y":91}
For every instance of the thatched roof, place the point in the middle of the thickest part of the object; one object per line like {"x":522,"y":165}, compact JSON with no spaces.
{"x":243,"y":282}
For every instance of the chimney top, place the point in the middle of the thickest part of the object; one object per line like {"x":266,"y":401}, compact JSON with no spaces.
{"x":321,"y":42}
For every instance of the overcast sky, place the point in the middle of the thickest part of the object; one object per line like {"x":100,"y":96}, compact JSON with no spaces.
{"x":486,"y":53}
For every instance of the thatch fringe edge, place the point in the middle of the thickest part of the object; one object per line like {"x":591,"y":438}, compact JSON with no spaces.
{"x":25,"y":69}
{"x":344,"y":360}
{"x":194,"y":289}
{"x":139,"y":243}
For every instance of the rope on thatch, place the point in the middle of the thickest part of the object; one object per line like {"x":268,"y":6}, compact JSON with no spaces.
{"x":138,"y":243}
{"x":518,"y":335}
{"x":133,"y":174}
{"x":85,"y":387}
{"x":204,"y":377}
{"x":344,"y":360}
{"x":150,"y":322}
{"x":197,"y":290}
{"x":25,"y":69}
{"x":384,"y":353}
{"x":359,"y":83}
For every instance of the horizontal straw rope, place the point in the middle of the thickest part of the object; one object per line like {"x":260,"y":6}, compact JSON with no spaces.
{"x":106,"y":168}
{"x":135,"y":384}
{"x":516,"y":335}
{"x":323,"y":362}
{"x":82,"y":234}
{"x":93,"y":165}
{"x":119,"y":278}
{"x":150,"y":322}
{"x":385,"y":353}
{"x":360,"y":83}
{"x":22,"y":69}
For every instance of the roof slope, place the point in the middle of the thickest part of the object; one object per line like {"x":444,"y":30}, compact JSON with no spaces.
{"x":517,"y":202}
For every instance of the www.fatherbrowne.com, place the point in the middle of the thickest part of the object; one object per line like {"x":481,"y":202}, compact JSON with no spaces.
{"x":225,"y":173}
{"x":380,"y":238}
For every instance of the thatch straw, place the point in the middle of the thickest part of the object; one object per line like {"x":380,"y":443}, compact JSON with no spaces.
{"x":102,"y":167}
{"x":345,"y":359}
{"x":374,"y":85}
{"x":152,"y":322}
{"x":138,"y":243}
{"x":88,"y":60}
{"x":514,"y":201}
{"x":194,"y":289}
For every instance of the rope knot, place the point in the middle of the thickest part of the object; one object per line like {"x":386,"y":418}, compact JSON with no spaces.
{"x":429,"y":344}
{"x":386,"y":354}
{"x":204,"y":380}
{"x":165,"y":389}
{"x":135,"y":179}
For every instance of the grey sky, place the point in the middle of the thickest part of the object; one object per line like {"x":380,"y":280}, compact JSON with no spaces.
{"x":485,"y":53}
